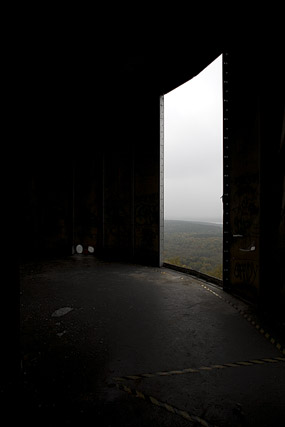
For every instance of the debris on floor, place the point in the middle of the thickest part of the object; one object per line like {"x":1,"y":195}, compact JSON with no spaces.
{"x":61,"y":311}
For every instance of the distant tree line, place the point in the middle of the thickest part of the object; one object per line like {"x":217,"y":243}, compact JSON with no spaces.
{"x":194,"y":245}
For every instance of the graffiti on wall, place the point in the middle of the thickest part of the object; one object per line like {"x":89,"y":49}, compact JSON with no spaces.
{"x":246,"y":205}
{"x":246,"y":271}
{"x":146,"y":211}
{"x":245,"y":231}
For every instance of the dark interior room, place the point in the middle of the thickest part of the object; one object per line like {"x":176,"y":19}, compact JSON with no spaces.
{"x":108,"y":333}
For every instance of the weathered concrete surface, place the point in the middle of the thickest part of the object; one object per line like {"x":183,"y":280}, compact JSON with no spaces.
{"x":130,"y":319}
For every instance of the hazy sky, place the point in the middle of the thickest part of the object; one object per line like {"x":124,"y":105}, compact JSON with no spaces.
{"x":193,"y":147}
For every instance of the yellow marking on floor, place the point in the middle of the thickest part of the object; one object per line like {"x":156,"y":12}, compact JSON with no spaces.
{"x":202,"y":422}
{"x":172,"y":409}
{"x":154,"y":400}
{"x":201,"y":368}
{"x":232,"y":365}
{"x":162,"y":374}
{"x":244,"y":363}
{"x":185,"y":415}
{"x":246,"y":316}
{"x":166,"y":406}
{"x":169,"y":408}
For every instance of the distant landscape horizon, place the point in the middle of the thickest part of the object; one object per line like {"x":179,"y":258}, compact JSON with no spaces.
{"x":204,"y":220}
{"x":194,"y":244}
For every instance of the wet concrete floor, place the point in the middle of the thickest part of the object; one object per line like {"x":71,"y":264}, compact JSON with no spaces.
{"x":113,"y":344}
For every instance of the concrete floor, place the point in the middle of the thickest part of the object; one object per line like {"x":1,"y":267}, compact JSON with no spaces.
{"x":118,"y":320}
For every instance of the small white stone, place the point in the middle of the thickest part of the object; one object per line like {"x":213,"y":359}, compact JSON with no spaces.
{"x":61,"y":311}
{"x":61,"y":333}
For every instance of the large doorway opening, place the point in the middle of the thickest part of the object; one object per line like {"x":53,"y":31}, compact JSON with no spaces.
{"x":193,"y":173}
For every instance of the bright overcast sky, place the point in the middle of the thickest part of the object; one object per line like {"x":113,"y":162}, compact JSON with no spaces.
{"x":193,"y":117}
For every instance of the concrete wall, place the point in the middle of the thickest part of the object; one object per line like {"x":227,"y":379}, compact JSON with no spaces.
{"x":244,"y":179}
{"x":131,"y":180}
{"x":45,"y":208}
{"x":87,"y":215}
{"x":90,"y":172}
{"x":256,"y":109}
{"x":272,"y":103}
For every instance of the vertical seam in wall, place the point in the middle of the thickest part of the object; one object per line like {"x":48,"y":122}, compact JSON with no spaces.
{"x":161,"y":179}
{"x":260,"y":288}
{"x":103,"y":200}
{"x":226,"y":178}
{"x":73,"y":209}
{"x":133,"y":201}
